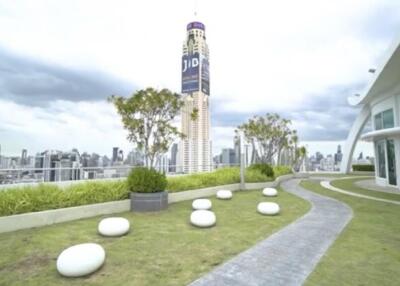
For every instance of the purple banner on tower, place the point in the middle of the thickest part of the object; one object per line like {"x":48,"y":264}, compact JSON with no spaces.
{"x":190,"y":73}
{"x":205,"y":76}
{"x":195,"y":25}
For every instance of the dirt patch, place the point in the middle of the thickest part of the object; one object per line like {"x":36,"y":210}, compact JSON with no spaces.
{"x":29,"y":264}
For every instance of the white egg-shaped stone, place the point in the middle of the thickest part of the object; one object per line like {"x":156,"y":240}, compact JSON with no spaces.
{"x":201,"y":204}
{"x":113,"y":226}
{"x":268,"y":208}
{"x":80,"y":260}
{"x":270,"y":192}
{"x":224,"y":194}
{"x":203,"y":218}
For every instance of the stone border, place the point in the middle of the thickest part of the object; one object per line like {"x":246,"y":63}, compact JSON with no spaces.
{"x":48,"y":217}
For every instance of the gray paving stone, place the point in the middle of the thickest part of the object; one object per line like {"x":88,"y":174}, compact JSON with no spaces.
{"x":286,"y":257}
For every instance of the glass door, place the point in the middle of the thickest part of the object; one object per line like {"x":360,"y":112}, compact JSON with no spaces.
{"x":391,"y":162}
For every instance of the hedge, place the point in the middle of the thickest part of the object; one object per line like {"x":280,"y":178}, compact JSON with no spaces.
{"x":49,"y":196}
{"x":364,"y":168}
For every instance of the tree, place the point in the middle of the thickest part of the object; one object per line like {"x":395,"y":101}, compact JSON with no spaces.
{"x":300,"y":154}
{"x":147,"y":116}
{"x":268,"y":135}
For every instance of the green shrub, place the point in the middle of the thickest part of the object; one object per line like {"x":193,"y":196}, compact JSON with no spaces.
{"x":48,"y":196}
{"x":144,"y":180}
{"x":255,"y":176}
{"x":265,"y":169}
{"x":364,"y":168}
{"x":282,"y":170}
{"x":223,"y":176}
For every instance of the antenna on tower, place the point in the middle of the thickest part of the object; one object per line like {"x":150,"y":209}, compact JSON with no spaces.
{"x":195,"y":8}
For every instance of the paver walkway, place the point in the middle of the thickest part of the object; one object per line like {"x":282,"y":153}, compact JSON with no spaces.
{"x":288,"y":256}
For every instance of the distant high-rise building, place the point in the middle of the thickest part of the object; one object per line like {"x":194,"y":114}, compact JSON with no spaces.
{"x":50,"y":161}
{"x":135,"y":158}
{"x":319,"y":157}
{"x":195,"y":149}
{"x":338,"y":155}
{"x":228,"y":157}
{"x":24,"y":157}
{"x":174,"y":158}
{"x":105,"y":161}
{"x":115,"y":154}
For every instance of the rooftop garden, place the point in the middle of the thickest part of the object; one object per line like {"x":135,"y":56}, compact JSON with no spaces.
{"x":161,"y":249}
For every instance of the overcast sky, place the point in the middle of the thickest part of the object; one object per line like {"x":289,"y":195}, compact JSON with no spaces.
{"x":60,"y":60}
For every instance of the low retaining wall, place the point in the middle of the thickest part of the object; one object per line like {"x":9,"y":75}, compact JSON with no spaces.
{"x":43,"y":218}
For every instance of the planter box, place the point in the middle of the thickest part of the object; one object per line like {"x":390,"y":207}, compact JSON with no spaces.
{"x":149,"y":202}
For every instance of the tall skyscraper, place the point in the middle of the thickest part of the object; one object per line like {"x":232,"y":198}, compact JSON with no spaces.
{"x":338,"y":155}
{"x":24,"y":157}
{"x":195,"y":150}
{"x":174,"y":158}
{"x":115,"y":154}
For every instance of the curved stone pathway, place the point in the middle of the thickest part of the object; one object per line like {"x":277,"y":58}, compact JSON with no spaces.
{"x":288,"y":256}
{"x":327,"y":185}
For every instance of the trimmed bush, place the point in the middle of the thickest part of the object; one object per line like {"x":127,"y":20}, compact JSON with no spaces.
{"x":282,"y":170}
{"x":265,"y":169}
{"x":364,"y":168}
{"x":48,"y":196}
{"x":144,"y":180}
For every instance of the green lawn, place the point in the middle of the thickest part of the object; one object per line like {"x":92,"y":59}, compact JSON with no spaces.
{"x":348,"y":185}
{"x":368,"y":250}
{"x":161,"y":249}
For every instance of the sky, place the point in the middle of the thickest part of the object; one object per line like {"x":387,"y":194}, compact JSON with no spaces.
{"x":60,"y":60}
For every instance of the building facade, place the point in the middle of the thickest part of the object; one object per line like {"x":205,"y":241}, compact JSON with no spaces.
{"x":380,"y":104}
{"x":195,"y":149}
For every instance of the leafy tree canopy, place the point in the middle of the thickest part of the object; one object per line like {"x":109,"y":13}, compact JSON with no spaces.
{"x":147,"y":116}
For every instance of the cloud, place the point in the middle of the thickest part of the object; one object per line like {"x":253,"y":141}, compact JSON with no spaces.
{"x":89,"y":126}
{"x":301,"y":59}
{"x":30,"y":82}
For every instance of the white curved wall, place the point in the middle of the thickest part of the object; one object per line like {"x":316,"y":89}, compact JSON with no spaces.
{"x":353,"y":137}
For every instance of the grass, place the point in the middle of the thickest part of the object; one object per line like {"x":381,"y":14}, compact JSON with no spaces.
{"x":368,"y":250}
{"x":161,"y":249}
{"x":349,"y":185}
{"x":49,"y":196}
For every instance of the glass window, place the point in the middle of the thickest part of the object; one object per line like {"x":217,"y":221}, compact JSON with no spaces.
{"x":388,"y":118}
{"x":378,"y":121}
{"x":381,"y":159}
{"x":384,"y":119}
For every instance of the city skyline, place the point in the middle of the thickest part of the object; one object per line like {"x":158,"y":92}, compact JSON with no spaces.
{"x":57,"y":86}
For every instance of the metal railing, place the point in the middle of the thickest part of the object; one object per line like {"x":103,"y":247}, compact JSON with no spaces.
{"x":31,"y":176}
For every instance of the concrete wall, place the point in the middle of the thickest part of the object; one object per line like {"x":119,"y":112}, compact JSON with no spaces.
{"x":43,"y":218}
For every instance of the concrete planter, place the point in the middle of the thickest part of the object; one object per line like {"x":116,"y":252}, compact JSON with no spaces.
{"x":149,"y":202}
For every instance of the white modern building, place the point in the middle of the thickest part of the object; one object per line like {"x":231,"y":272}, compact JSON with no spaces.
{"x":380,"y":103}
{"x":195,"y":153}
